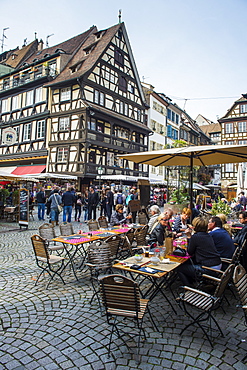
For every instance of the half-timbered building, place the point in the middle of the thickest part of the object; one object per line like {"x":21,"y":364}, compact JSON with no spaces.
{"x":97,"y":109}
{"x":24,"y":102}
{"x":233,"y":132}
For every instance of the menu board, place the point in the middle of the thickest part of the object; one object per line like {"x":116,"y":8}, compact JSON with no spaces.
{"x":24,"y":207}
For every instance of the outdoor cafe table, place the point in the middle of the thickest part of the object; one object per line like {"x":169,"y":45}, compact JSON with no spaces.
{"x":159,"y":277}
{"x":74,"y":245}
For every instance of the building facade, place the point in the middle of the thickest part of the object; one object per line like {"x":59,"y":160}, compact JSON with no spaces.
{"x":233,"y":132}
{"x":76,"y":106}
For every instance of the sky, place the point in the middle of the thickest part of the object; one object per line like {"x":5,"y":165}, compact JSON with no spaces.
{"x":193,"y":51}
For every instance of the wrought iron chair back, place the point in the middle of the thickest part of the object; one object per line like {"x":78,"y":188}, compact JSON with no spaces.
{"x":47,"y":232}
{"x":140,"y":235}
{"x":66,"y":228}
{"x":93,"y":225}
{"x":142,"y":218}
{"x":102,"y":221}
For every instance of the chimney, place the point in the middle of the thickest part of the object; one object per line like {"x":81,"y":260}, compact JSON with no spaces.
{"x":40,"y":45}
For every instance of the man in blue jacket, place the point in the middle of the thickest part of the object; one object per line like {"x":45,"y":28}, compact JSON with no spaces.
{"x":222,"y":240}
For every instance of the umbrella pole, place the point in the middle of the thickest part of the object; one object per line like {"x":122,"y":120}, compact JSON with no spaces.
{"x":191,"y":184}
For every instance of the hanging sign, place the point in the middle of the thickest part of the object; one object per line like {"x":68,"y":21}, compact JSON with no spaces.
{"x":9,"y":136}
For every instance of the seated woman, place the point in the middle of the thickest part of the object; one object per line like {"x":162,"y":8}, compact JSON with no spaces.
{"x":203,"y":251}
{"x":155,"y":212}
{"x":180,"y":223}
{"x":117,"y":218}
{"x":161,"y":231}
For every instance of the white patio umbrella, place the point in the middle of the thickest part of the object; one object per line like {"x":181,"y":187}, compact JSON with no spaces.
{"x":191,"y":156}
{"x":240,"y":179}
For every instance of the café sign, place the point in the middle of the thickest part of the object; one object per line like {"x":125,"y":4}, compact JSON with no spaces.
{"x":9,"y":136}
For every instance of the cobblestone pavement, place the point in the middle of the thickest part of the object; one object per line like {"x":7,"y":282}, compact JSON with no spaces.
{"x":59,"y":329}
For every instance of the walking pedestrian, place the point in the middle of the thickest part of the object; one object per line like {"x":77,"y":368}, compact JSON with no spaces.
{"x":41,"y":199}
{"x":78,"y":205}
{"x":93,"y":201}
{"x":55,"y":199}
{"x":68,"y":200}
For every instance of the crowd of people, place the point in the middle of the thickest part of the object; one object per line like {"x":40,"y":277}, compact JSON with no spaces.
{"x":110,"y":204}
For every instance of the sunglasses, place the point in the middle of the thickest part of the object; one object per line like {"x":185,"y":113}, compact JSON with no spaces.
{"x":164,"y":219}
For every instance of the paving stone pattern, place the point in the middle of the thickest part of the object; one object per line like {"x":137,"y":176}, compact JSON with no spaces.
{"x":58,"y":328}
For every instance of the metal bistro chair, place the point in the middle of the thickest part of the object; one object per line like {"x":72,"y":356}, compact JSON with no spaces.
{"x":114,"y":242}
{"x":66,"y":228}
{"x":204,"y":302}
{"x":99,"y":262}
{"x":93,"y":225}
{"x":102,"y":221}
{"x":47,"y":232}
{"x":142,"y":218}
{"x":121,"y":299}
{"x":240,"y":281}
{"x":125,"y":249}
{"x":140,"y":235}
{"x":46,"y":261}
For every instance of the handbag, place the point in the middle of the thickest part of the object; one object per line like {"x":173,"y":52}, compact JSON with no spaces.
{"x":180,"y":252}
{"x":59,"y":208}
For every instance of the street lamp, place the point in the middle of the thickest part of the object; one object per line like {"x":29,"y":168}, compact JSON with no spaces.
{"x":100,"y":173}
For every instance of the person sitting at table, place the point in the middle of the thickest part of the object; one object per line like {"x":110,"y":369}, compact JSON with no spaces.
{"x":203,"y":251}
{"x":118,"y":218}
{"x":155,"y":212}
{"x":222,"y":240}
{"x":225,"y":225}
{"x":161,"y":231}
{"x":241,"y":236}
{"x":180,"y":223}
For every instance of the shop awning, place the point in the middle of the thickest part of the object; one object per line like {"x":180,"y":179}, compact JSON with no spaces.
{"x":121,"y":178}
{"x":29,"y":170}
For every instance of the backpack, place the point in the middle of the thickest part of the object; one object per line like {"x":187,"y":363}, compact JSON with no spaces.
{"x":119,"y":199}
{"x":129,"y":197}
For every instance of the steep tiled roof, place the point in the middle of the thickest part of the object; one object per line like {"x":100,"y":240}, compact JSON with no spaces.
{"x":18,"y":57}
{"x":68,"y":46}
{"x":210,"y":129}
{"x":87,"y":60}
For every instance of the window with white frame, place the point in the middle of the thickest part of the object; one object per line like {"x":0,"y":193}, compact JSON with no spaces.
{"x":101,"y":98}
{"x":229,"y":167}
{"x":65,"y":94}
{"x":229,"y":142}
{"x":40,"y":129}
{"x":15,"y":102}
{"x":121,"y":107}
{"x":64,"y":124}
{"x":126,"y":109}
{"x":229,"y":128}
{"x":62,"y":154}
{"x":241,"y":126}
{"x":96,"y":97}
{"x":38,"y":95}
{"x":29,"y":97}
{"x":17,"y":130}
{"x":243,"y":108}
{"x":27,"y":132}
{"x":4,"y":105}
{"x":242,"y":142}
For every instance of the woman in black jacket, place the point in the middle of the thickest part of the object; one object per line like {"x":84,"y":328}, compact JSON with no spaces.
{"x":203,"y":251}
{"x":161,"y":231}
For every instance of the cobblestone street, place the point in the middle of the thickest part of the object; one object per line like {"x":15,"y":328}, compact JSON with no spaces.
{"x":59,"y":329}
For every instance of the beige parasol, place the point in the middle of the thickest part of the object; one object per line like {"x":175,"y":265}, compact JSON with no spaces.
{"x":191,"y":156}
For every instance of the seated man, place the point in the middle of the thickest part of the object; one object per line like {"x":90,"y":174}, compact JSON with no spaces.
{"x":222,"y":240}
{"x":155,"y":212}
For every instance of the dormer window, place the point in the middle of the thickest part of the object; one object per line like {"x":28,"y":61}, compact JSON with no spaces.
{"x":46,"y":55}
{"x":76,"y":67}
{"x":61,"y":51}
{"x":89,"y":49}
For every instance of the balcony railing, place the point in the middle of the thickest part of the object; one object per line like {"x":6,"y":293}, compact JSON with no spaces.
{"x":27,"y":77}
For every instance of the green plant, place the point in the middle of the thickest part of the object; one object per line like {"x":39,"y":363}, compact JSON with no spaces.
{"x":179,"y":196}
{"x":220,"y":207}
{"x":15,"y":197}
{"x":4,"y":193}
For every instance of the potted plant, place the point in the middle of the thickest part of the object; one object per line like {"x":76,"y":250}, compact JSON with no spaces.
{"x":220,"y":207}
